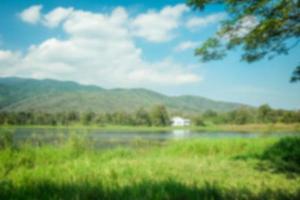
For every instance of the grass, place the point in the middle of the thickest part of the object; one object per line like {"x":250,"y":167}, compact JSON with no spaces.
{"x":187,"y":169}
{"x":279,"y":127}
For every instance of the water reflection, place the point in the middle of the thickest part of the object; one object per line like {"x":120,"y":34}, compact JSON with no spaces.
{"x":55,"y":136}
{"x":180,"y":133}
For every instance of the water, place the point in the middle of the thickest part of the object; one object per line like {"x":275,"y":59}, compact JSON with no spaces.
{"x":110,"y":139}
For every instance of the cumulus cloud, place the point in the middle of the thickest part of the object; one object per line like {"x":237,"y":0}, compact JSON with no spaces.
{"x":186,"y":45}
{"x":158,"y":26}
{"x":8,"y":61}
{"x":159,"y":72}
{"x":98,"y":49}
{"x":32,"y":14}
{"x":56,"y":16}
{"x":199,"y":22}
{"x":243,"y":27}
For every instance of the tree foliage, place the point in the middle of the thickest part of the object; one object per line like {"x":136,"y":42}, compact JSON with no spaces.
{"x":142,"y":117}
{"x":159,"y":116}
{"x":296,"y":75}
{"x":265,"y":113}
{"x":262,"y":28}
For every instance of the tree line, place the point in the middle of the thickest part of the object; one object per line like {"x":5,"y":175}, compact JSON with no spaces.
{"x":245,"y":115}
{"x":156,"y":116}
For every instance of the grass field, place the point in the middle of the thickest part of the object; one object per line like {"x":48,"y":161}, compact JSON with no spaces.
{"x":266,"y":168}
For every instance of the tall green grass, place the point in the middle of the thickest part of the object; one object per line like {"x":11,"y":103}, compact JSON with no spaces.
{"x":188,"y":169}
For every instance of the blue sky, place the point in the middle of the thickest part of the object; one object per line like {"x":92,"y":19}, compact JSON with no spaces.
{"x":133,"y":44}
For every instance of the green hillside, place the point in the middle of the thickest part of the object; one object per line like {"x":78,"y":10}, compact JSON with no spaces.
{"x":18,"y":94}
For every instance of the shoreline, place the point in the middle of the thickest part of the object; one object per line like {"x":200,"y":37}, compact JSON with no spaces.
{"x":259,"y":128}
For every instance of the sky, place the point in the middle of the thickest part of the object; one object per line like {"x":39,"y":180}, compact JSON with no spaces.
{"x":136,"y":44}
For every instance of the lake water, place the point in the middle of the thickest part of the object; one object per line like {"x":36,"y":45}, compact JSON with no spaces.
{"x":108,"y":139}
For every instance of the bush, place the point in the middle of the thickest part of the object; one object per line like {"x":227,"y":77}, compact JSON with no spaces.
{"x":198,"y":121}
{"x":6,"y":139}
{"x":285,"y":154}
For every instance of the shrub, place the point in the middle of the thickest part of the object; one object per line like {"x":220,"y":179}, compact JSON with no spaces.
{"x":285,"y":154}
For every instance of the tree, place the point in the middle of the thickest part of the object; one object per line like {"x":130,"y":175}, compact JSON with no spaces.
{"x":296,"y":75}
{"x":210,"y":114}
{"x":159,"y":116}
{"x":288,"y":117}
{"x":242,"y":116}
{"x":265,"y":113}
{"x":121,"y":118}
{"x":100,"y":119}
{"x":142,"y":117}
{"x":198,"y":121}
{"x":88,"y":118}
{"x":61,"y":118}
{"x":21,"y":118}
{"x":261,"y":28}
{"x":298,"y":116}
{"x":73,"y":116}
{"x":3,"y":117}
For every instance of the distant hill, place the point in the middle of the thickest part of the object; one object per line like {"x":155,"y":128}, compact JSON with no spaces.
{"x":19,"y":94}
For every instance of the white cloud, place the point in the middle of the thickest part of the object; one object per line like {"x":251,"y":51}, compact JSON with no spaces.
{"x":98,"y":49}
{"x":32,"y":14}
{"x":164,"y":72}
{"x":244,"y":26}
{"x":199,"y":22}
{"x":183,"y":46}
{"x":56,"y":16}
{"x":8,"y":61}
{"x":5,"y":55}
{"x":158,"y":26}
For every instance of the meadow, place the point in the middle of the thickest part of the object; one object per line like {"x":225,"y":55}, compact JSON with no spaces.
{"x":257,"y":168}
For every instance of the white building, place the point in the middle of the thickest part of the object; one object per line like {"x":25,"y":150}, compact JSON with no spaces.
{"x":179,"y":121}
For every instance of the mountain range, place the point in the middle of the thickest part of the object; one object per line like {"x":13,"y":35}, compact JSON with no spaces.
{"x":20,"y":94}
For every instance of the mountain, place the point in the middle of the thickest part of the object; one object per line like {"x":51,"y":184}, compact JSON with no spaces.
{"x":19,"y":94}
